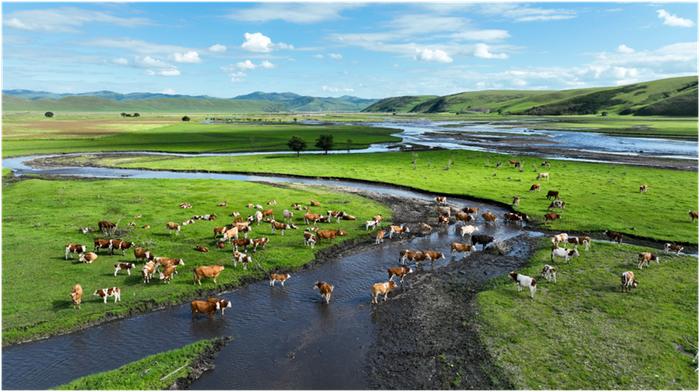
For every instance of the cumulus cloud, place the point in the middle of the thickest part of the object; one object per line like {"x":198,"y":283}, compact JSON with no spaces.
{"x":336,"y":56}
{"x":436,"y":55}
{"x":483,"y":51}
{"x":247,"y":65}
{"x":217,"y":48}
{"x":169,"y":91}
{"x":120,"y":61}
{"x":187,"y":57}
{"x":267,"y":65}
{"x":260,"y":43}
{"x":155,"y":66}
{"x":292,"y":13}
{"x":673,"y":20}
{"x":66,"y":19}
{"x":625,"y":49}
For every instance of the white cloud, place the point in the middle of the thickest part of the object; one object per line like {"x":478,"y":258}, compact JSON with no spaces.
{"x":136,"y":46}
{"x":625,"y":73}
{"x":525,"y":13}
{"x":169,"y":91}
{"x":482,"y":35}
{"x":334,"y":89}
{"x":318,"y":56}
{"x":674,"y":20}
{"x":234,"y":73}
{"x":260,"y":43}
{"x":483,"y":51}
{"x":66,"y":19}
{"x":336,"y":56}
{"x":437,"y":55}
{"x":292,"y":13}
{"x":625,"y":49}
{"x":120,"y":61}
{"x":519,"y":82}
{"x":155,"y":66}
{"x":247,"y":65}
{"x":217,"y":48}
{"x":267,"y":65}
{"x":187,"y":57}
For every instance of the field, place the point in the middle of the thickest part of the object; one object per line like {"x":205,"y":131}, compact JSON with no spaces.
{"x":25,"y":134}
{"x":161,"y":372}
{"x":598,"y":196}
{"x":40,"y":217}
{"x":582,"y":333}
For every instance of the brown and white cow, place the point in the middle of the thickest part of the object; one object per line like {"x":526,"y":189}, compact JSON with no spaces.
{"x":109,"y":292}
{"x":549,"y":273}
{"x":172,"y":226}
{"x":76,"y":295}
{"x":410,"y":255}
{"x":281,"y":226}
{"x":471,"y":210}
{"x":543,"y":176}
{"x":207,"y":271}
{"x":614,"y":236}
{"x":230,"y":234}
{"x":310,"y":217}
{"x":628,"y":282}
{"x":274,"y":278}
{"x":463,"y":216}
{"x":102,"y":244}
{"x":559,"y":238}
{"x":106,"y":227}
{"x":552,"y":195}
{"x":443,"y":220}
{"x":522,"y":281}
{"x":581,"y":240}
{"x":240,"y":257}
{"x":168,"y":272}
{"x":551,"y":217}
{"x":442,"y":200}
{"x":534,"y":187}
{"x":693,"y":215}
{"x":310,"y":239}
{"x":674,"y":248}
{"x":314,"y":203}
{"x":379,"y":238}
{"x":382,"y":289}
{"x":74,"y":248}
{"x":461,"y":247}
{"x":643,"y":188}
{"x":325,"y":289}
{"x":330,"y":234}
{"x":645,"y":258}
{"x":148,"y":270}
{"x":204,"y":307}
{"x":200,"y":248}
{"x":223,"y":304}
{"x":123,"y":266}
{"x":558,"y":203}
{"x":87,"y":257}
{"x":167,"y":261}
{"x":400,"y":272}
{"x":260,"y":243}
{"x":121,"y":245}
{"x":400,"y":230}
{"x":143,"y":254}
{"x":511,"y":217}
{"x":242,"y":242}
{"x":489,"y":217}
{"x":185,"y":205}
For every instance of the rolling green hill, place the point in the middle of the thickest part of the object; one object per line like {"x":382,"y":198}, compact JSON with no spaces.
{"x":671,"y":97}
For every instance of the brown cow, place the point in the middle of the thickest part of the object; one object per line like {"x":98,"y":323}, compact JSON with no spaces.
{"x":239,"y":257}
{"x":121,"y":245}
{"x":646,"y":257}
{"x":106,"y":227}
{"x":330,"y":234}
{"x":200,"y":248}
{"x":74,"y":248}
{"x":614,"y":236}
{"x":242,"y":242}
{"x":123,"y":266}
{"x":204,"y":307}
{"x":443,"y":220}
{"x":315,"y":203}
{"x":281,"y":226}
{"x":168,"y":272}
{"x":88,"y":257}
{"x":400,"y":230}
{"x":167,"y":261}
{"x":535,"y":187}
{"x":325,"y":289}
{"x":675,"y":248}
{"x":441,"y":200}
{"x":148,"y":270}
{"x":400,"y":272}
{"x":489,"y":217}
{"x":471,"y":210}
{"x":643,"y":188}
{"x":311,"y":217}
{"x":512,"y":217}
{"x":348,"y":217}
{"x":379,"y":238}
{"x":410,"y":255}
{"x":210,"y":271}
{"x":693,"y":215}
{"x":76,"y":295}
{"x":552,"y":195}
{"x":102,"y":244}
{"x":172,"y":226}
{"x":551,"y":217}
{"x":463,"y":216}
{"x":230,"y":234}
{"x":223,"y":304}
{"x":274,"y":278}
{"x":269,"y":212}
{"x":460,"y":247}
{"x":142,"y":254}
{"x":260,"y":243}
{"x":628,"y":282}
{"x":382,"y":288}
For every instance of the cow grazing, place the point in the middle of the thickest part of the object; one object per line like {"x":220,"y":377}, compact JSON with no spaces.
{"x":274,"y":278}
{"x":559,"y":238}
{"x":645,"y":258}
{"x":314,"y":203}
{"x":168,"y":272}
{"x":552,"y":195}
{"x":121,"y":245}
{"x":330,"y":234}
{"x":210,"y":271}
{"x":551,"y":217}
{"x":76,"y":295}
{"x":442,"y":200}
{"x":142,"y":254}
{"x":310,"y":239}
{"x":543,"y":176}
{"x":230,"y":234}
{"x":378,"y":218}
{"x":675,"y":248}
{"x":148,"y":270}
{"x":102,"y":244}
{"x":325,"y":289}
{"x":558,"y":203}
{"x":534,"y":187}
{"x":172,"y":226}
{"x":223,"y":304}
{"x":123,"y":266}
{"x":167,"y":261}
{"x":393,"y":229}
{"x":583,"y":240}
{"x":549,"y":273}
{"x":200,"y":248}
{"x":74,"y":248}
{"x":310,"y":217}
{"x":566,"y":254}
{"x":628,"y":282}
{"x":400,"y":272}
{"x":107,"y":227}
{"x":281,"y":226}
{"x":468,"y":230}
{"x":614,"y":236}
{"x":109,"y":292}
{"x":260,"y":243}
{"x":239,"y":257}
{"x":516,"y":201}
{"x":482,"y":239}
{"x":524,"y":281}
{"x":87,"y":257}
{"x":460,"y":247}
{"x":643,"y":188}
{"x":242,"y":242}
{"x":693,"y":215}
{"x":204,"y":307}
{"x":382,"y":289}
{"x":379,"y":238}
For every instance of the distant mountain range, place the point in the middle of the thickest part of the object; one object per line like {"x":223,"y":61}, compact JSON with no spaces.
{"x":155,"y":102}
{"x":665,"y":97}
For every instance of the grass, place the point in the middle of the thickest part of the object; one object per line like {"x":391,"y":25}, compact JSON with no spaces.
{"x":598,"y":196}
{"x":582,"y":333}
{"x":151,"y":373}
{"x":40,"y":217}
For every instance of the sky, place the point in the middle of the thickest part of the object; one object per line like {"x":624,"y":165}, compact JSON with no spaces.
{"x":369,"y":50}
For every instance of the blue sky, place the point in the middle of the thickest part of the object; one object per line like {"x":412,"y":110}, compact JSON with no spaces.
{"x":367,"y":50}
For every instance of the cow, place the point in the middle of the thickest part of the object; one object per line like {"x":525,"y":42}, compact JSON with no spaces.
{"x":287,"y":215}
{"x":471,"y":210}
{"x":441,"y":200}
{"x":583,"y":240}
{"x":109,"y":292}
{"x":432,"y":256}
{"x":87,"y":257}
{"x":382,"y":289}
{"x":200,"y":248}
{"x":543,"y":176}
{"x":400,"y":272}
{"x":298,"y":206}
{"x":188,"y":222}
{"x":348,"y":217}
{"x":693,"y":215}
{"x":223,"y":304}
{"x":643,"y":188}
{"x":535,"y":187}
{"x":123,"y":266}
{"x":102,"y":244}
{"x":314,"y":203}
{"x":336,"y":214}
{"x":668,"y":247}
{"x":559,"y":238}
{"x":239,"y":257}
{"x":524,"y":281}
{"x":220,"y":230}
{"x":614,"y":236}
{"x":172,"y":226}
{"x":242,"y":242}
{"x":552,"y":195}
{"x":628,"y":282}
{"x":85,"y":230}
{"x":522,"y":215}
{"x":272,"y":202}
{"x":378,"y":218}
{"x":311,"y":217}
{"x":461,"y":247}
{"x":74,"y":248}
{"x":204,"y":307}
{"x":516,"y":201}
{"x":185,"y":205}
{"x":512,"y":217}
{"x":167,"y":261}
{"x":549,"y":273}
{"x":310,"y":239}
{"x":410,"y":255}
{"x":325,"y":289}
{"x":221,"y":244}
{"x":393,"y":229}
{"x":646,"y":257}
{"x":468,"y":230}
{"x":443,"y":220}
{"x":424,"y":228}
{"x":447,"y":211}
{"x":551,"y":217}
{"x":210,"y":271}
{"x":76,"y":295}
{"x":463,"y":216}
{"x":281,"y":226}
{"x":257,"y":217}
{"x":121,"y":245}
{"x":516,"y":164}
{"x":168,"y":272}
{"x":230,"y":234}
{"x":260,"y":243}
{"x":222,"y":204}
{"x":489,"y":217}
{"x":107,"y":227}
{"x":269,"y":212}
{"x":545,"y":164}
{"x":561,"y":204}
{"x":330,"y":234}
{"x":370,"y":224}
{"x":482,"y":239}
{"x":148,"y":270}
{"x":566,"y":254}
{"x":142,"y":254}
{"x":379,"y":238}
{"x":274,"y":278}
{"x":146,"y":227}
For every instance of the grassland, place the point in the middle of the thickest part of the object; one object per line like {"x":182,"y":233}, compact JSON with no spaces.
{"x":40,"y":217}
{"x":598,"y":196}
{"x":582,"y":333}
{"x":158,"y":371}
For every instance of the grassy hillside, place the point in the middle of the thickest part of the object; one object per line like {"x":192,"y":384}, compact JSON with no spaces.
{"x":670,"y":97}
{"x":398,"y":104}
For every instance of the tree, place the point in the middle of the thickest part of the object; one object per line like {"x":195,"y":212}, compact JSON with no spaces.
{"x":185,"y":118}
{"x":325,"y":142}
{"x":604,"y":114}
{"x":136,"y":115}
{"x":122,"y":114}
{"x":48,"y":114}
{"x":297,"y":144}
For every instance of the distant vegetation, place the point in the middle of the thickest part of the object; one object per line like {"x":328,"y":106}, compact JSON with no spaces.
{"x":666,"y":97}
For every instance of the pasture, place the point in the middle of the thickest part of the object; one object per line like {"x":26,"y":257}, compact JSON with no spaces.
{"x":598,"y":196}
{"x":41,"y":216}
{"x":583,"y":333}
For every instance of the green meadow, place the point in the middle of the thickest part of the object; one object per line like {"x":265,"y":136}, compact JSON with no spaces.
{"x":34,"y":241}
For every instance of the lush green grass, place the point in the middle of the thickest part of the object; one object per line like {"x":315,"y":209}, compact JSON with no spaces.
{"x":148,"y":373}
{"x":598,"y":196}
{"x":583,"y":333}
{"x":187,"y":137}
{"x":40,"y":217}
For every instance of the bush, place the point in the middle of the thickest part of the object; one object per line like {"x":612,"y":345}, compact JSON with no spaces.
{"x":48,"y":114}
{"x":185,"y":118}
